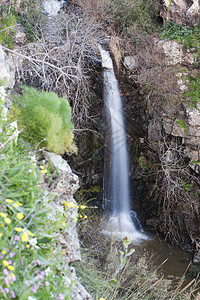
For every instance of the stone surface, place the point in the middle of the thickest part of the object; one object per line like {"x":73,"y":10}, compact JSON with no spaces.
{"x":185,"y":12}
{"x":5,"y":73}
{"x":65,"y":186}
{"x":19,"y":37}
{"x":130,"y":63}
{"x":174,"y":52}
{"x":80,"y":293}
{"x":196,"y":258}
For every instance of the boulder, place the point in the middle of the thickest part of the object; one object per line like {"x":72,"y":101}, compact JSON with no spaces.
{"x":130,"y":63}
{"x":184,"y":12}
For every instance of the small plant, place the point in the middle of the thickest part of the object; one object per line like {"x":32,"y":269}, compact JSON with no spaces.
{"x":194,"y":89}
{"x":182,"y":124}
{"x":175,"y":31}
{"x":46,"y":120}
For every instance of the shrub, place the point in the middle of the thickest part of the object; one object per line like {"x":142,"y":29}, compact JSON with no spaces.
{"x":194,"y":89}
{"x":46,"y":120}
{"x":174,"y":31}
{"x":138,"y":14}
{"x":8,"y":23}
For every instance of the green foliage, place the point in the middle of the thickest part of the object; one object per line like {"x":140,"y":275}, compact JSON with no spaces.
{"x":143,"y":163}
{"x":46,"y":120}
{"x":32,"y":264}
{"x":185,"y":186}
{"x":30,"y":17}
{"x":175,"y":31}
{"x":182,"y":124}
{"x":7,"y":29}
{"x":194,"y":89}
{"x":131,"y":15}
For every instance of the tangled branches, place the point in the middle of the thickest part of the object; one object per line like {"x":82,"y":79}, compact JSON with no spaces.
{"x":63,"y":60}
{"x":177,"y":191}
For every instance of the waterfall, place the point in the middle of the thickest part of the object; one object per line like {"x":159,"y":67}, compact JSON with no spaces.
{"x":116,"y":171}
{"x":52,"y":7}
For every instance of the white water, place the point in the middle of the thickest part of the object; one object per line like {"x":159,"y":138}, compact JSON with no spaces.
{"x":52,"y":7}
{"x":118,"y":194}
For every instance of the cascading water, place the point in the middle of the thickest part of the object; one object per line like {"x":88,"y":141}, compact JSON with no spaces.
{"x":116,"y":179}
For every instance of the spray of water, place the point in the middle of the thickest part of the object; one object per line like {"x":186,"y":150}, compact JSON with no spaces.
{"x":117,"y":190}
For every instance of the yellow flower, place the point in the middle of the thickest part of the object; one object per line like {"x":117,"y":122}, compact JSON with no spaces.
{"x":24,"y":237}
{"x":18,"y":229}
{"x":3,"y":252}
{"x":16,"y":204}
{"x":1,"y":235}
{"x":11,"y":268}
{"x":3,"y":215}
{"x":42,"y":167}
{"x":12,"y":275}
{"x":70,"y":204}
{"x":20,"y":216}
{"x":9,"y":200}
{"x":64,"y":202}
{"x":27,"y":246}
{"x":43,"y":171}
{"x":102,"y":299}
{"x":63,"y":223}
{"x":85,"y":217}
{"x":5,"y":263}
{"x":7,"y":220}
{"x":80,"y":216}
{"x":82,"y":206}
{"x":30,"y":233}
{"x":2,"y":225}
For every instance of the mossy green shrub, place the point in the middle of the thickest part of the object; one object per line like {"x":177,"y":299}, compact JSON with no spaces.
{"x":132,"y":15}
{"x":194,"y":90}
{"x":46,"y":120}
{"x":7,"y":29}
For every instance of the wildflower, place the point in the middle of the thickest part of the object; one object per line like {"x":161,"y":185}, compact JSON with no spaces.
{"x":21,"y":262}
{"x":5,"y":263}
{"x":3,"y":252}
{"x":5,"y":272}
{"x":12,"y":254}
{"x":1,"y":235}
{"x":37,"y":262}
{"x":63,"y":223}
{"x":10,"y":262}
{"x":18,"y":229}
{"x":61,"y":296}
{"x":34,"y":288}
{"x":27,"y":246}
{"x":24,"y":237}
{"x":2,"y":225}
{"x":9,"y":201}
{"x":20,"y":216}
{"x":1,"y":130}
{"x":102,"y":299}
{"x":13,"y":276}
{"x":47,"y":283}
{"x":70,"y":204}
{"x":82,"y":206}
{"x":85,"y":217}
{"x":7,"y":290}
{"x":3,"y":215}
{"x":17,"y":204}
{"x":2,"y":145}
{"x":7,"y":220}
{"x":80,"y":216}
{"x":43,"y":171}
{"x":11,"y":268}
{"x":30,"y":233}
{"x":12,"y":294}
{"x":17,"y":238}
{"x":42,"y":167}
{"x":6,"y":280}
{"x":48,"y":271}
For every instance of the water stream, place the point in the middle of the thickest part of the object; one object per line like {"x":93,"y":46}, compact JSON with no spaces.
{"x":116,"y":179}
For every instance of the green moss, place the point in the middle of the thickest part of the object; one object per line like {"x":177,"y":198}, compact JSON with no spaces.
{"x":46,"y":120}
